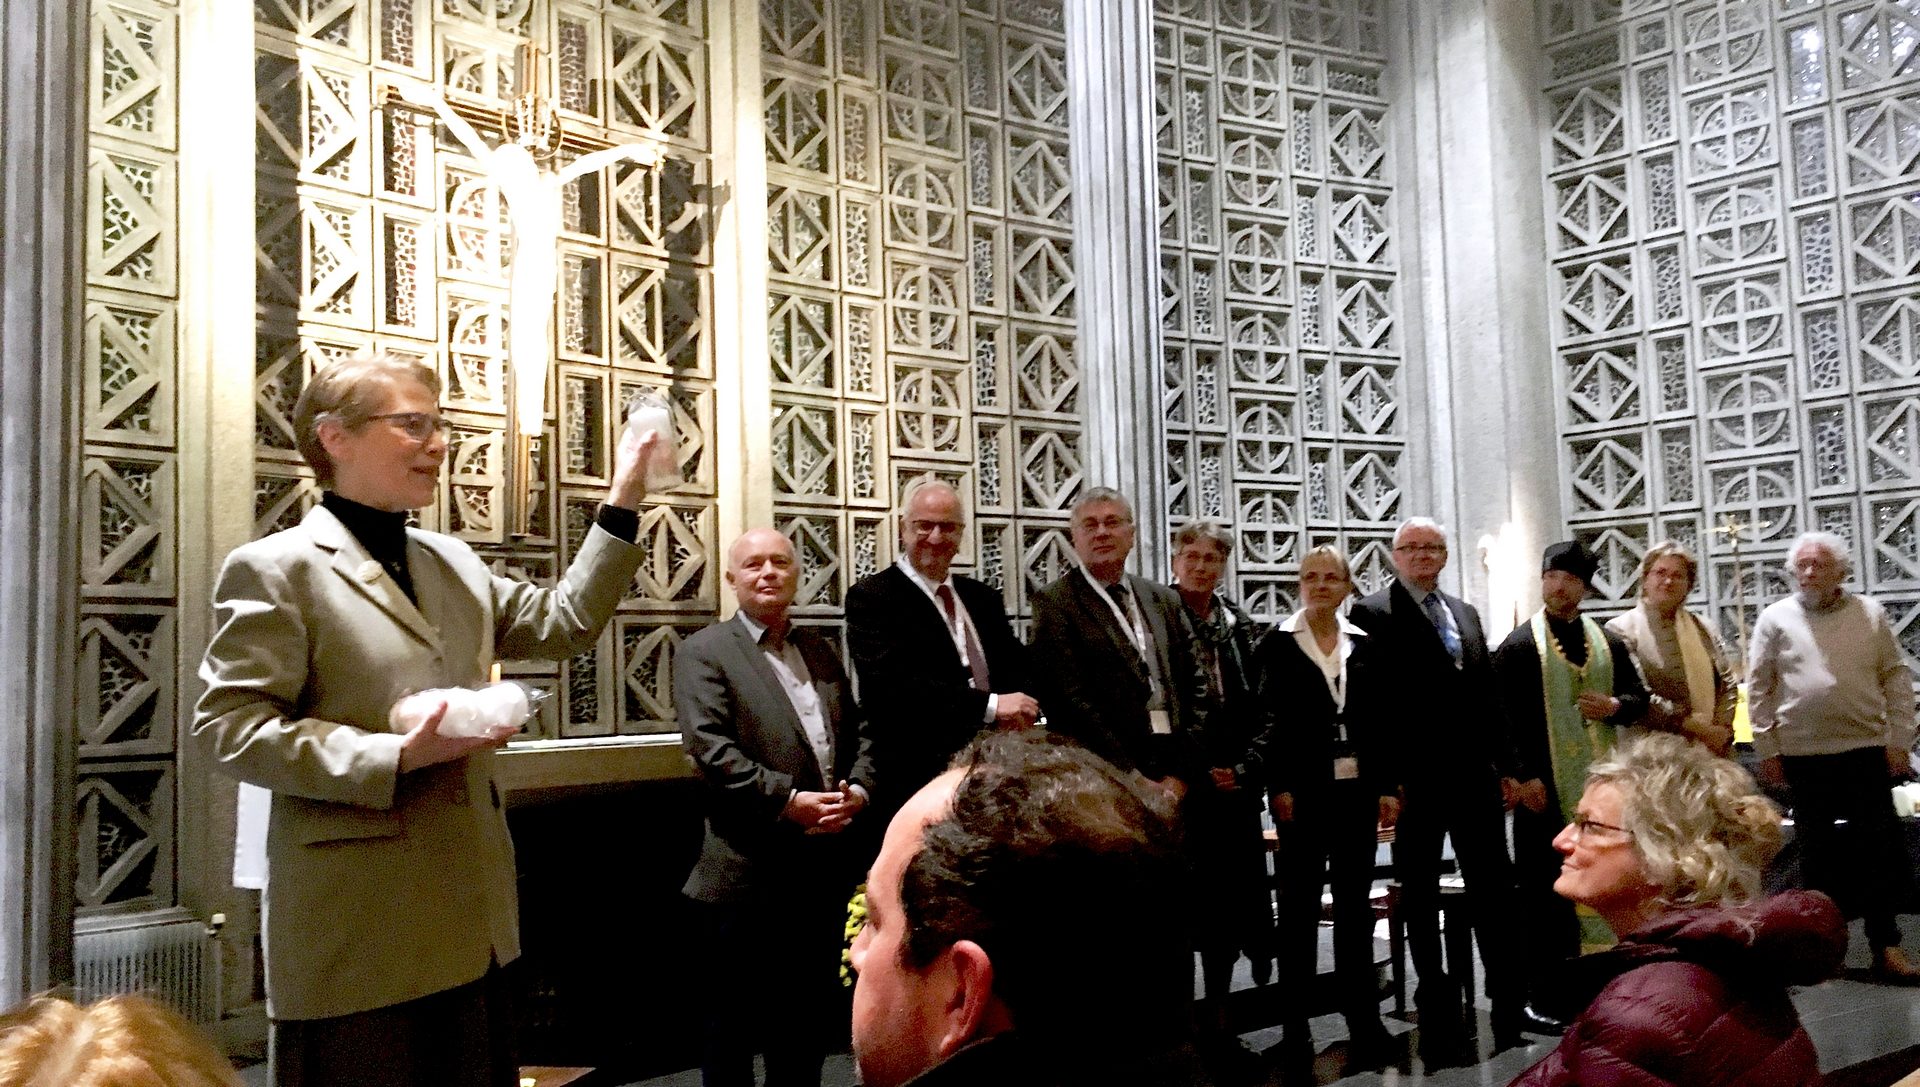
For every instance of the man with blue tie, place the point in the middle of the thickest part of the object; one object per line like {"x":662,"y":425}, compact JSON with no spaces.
{"x":1459,"y":781}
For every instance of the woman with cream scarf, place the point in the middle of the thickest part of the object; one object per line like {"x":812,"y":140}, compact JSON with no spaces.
{"x":1679,"y":657}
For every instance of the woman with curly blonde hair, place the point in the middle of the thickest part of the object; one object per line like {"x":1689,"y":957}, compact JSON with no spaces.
{"x":121,"y":1041}
{"x":1667,"y":846}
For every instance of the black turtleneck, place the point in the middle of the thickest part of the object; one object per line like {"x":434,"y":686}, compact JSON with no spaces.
{"x":384,"y":534}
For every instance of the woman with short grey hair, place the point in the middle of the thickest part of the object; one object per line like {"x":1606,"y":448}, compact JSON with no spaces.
{"x":1223,"y":822}
{"x":389,"y":903}
{"x":1667,"y":847}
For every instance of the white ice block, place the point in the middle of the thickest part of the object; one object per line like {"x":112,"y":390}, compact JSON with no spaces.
{"x":470,"y":712}
{"x":648,"y":412}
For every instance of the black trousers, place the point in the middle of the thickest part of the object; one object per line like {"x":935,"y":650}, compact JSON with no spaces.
{"x":1466,"y":807}
{"x":463,"y":1037}
{"x":1549,"y":929}
{"x":772,"y":977}
{"x":1234,"y":898}
{"x":1331,"y":839}
{"x":1863,"y":864}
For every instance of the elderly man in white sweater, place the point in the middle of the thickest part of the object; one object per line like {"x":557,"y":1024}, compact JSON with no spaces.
{"x":1832,"y":710}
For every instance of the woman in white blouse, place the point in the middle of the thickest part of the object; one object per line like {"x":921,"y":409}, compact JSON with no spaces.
{"x":1332,"y":784}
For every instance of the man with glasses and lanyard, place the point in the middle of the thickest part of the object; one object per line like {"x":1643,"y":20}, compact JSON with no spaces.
{"x":936,"y":657}
{"x":1459,"y":765}
{"x":1114,"y":655}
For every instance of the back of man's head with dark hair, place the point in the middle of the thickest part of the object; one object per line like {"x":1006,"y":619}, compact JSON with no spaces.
{"x":1068,"y":874}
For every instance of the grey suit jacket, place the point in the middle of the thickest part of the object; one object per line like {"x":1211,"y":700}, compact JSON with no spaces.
{"x":1094,"y":686}
{"x":743,"y":735}
{"x":380,"y":887}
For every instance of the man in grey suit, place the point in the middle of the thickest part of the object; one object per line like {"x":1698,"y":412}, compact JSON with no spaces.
{"x":768,"y":718}
{"x":1113,"y":654}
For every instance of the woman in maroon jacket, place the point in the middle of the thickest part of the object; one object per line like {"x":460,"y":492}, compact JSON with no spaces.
{"x":1667,"y":847}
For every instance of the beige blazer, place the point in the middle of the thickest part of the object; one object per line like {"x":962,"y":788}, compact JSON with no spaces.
{"x":380,"y":887}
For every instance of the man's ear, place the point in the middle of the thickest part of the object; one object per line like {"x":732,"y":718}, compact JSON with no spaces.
{"x":971,"y":1011}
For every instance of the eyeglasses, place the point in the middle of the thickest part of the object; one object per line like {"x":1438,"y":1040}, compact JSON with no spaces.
{"x":928,"y":528}
{"x":1424,"y":549}
{"x":1584,"y":828}
{"x":1088,"y":524}
{"x":418,"y":425}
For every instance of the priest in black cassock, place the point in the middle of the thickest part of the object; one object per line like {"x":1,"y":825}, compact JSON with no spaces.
{"x":1564,"y":684}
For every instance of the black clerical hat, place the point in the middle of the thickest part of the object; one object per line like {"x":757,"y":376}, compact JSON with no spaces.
{"x":1570,"y":556}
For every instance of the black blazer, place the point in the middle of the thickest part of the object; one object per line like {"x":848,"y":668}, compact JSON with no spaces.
{"x":1295,"y":747}
{"x":745,"y":739}
{"x":1094,"y":686}
{"x":915,"y":691}
{"x":1452,"y":715}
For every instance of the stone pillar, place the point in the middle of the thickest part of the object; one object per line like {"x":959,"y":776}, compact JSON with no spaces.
{"x":43,"y":79}
{"x":1110,"y":76}
{"x":1486,"y":445}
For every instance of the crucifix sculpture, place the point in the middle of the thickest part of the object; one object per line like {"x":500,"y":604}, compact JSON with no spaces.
{"x":520,"y":170}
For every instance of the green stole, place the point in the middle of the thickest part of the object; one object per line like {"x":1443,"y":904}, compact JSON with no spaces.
{"x":1575,"y":742}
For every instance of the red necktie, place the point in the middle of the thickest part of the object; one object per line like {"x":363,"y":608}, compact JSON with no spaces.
{"x":976,"y":657}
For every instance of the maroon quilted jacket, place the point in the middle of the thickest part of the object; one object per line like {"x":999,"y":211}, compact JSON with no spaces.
{"x":1698,"y":998}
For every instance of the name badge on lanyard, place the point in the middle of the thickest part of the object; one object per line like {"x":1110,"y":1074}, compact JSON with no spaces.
{"x":1346,"y":768}
{"x":1161,"y":722}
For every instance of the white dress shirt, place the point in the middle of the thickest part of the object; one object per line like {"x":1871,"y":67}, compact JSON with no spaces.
{"x":958,"y":630}
{"x":791,"y":668}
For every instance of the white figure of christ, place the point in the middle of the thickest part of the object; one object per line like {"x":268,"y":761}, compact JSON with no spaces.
{"x":533,"y":196}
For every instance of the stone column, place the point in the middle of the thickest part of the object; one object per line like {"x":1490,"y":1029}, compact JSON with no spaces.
{"x":1110,"y":76}
{"x":43,"y":140}
{"x":1486,"y":446}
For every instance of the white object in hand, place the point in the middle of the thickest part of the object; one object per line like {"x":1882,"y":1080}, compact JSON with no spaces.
{"x":489,"y":710}
{"x":648,"y":411}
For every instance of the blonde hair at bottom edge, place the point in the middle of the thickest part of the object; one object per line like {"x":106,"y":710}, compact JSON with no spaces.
{"x":119,"y":1041}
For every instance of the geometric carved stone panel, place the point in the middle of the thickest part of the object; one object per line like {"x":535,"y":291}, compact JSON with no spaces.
{"x":128,"y":531}
{"x":921,"y":302}
{"x":1736,"y":245}
{"x":1280,"y":301}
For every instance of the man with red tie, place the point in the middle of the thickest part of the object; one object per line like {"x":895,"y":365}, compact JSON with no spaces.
{"x":936,"y":658}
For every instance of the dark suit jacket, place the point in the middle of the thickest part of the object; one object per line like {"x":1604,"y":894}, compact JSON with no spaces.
{"x":744,"y":737}
{"x":1295,"y":747}
{"x":914,"y":689}
{"x":1450,"y":716}
{"x":1094,"y":687}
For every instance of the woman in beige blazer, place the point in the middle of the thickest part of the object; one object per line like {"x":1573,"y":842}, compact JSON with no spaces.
{"x":389,"y":907}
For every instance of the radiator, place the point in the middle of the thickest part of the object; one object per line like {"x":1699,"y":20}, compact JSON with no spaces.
{"x":172,"y":957}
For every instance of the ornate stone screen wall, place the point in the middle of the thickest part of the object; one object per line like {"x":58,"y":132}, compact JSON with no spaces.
{"x":372,"y":234}
{"x":1733,"y":189}
{"x":1280,"y":300}
{"x":921,"y":300}
{"x":128,"y":520}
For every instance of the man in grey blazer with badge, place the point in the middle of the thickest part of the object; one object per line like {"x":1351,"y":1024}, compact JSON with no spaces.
{"x":1114,"y":655}
{"x":389,"y":906}
{"x":768,"y":718}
